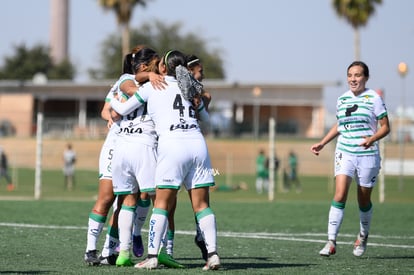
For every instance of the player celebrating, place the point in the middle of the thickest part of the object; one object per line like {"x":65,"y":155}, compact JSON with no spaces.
{"x":182,"y":154}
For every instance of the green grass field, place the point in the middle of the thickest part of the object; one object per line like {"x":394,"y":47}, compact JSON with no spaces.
{"x":255,"y":236}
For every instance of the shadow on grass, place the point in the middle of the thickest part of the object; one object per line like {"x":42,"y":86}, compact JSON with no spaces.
{"x":24,"y":272}
{"x":242,"y":266}
{"x":242,"y":263}
{"x":392,"y":257}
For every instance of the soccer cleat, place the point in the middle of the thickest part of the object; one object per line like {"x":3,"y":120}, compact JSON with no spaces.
{"x":137,"y":246}
{"x":360,"y":245}
{"x":213,"y":263}
{"x":10,"y":187}
{"x":148,"y":263}
{"x":124,"y":259}
{"x":202,"y":245}
{"x":91,"y":257}
{"x":329,"y":249}
{"x":108,"y":260}
{"x":168,"y":260}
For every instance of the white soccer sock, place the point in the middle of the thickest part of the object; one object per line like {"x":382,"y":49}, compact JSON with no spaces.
{"x":157,"y":229}
{"x":95,"y":224}
{"x":207,"y":222}
{"x":125,"y":220}
{"x":336,"y":215}
{"x":259,"y":185}
{"x":170,"y":242}
{"x":111,"y":242}
{"x":365,"y":220}
{"x":141,"y":213}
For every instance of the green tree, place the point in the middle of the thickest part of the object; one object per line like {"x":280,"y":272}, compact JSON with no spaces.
{"x":356,"y":13}
{"x":123,"y":11}
{"x":25,"y":63}
{"x":161,"y":38}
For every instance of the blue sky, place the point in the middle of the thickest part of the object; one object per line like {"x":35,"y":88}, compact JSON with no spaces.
{"x":262,"y":41}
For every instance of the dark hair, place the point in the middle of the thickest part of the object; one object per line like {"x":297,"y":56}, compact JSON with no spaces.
{"x":127,"y":67}
{"x":361,"y":64}
{"x":143,"y":56}
{"x":172,"y":59}
{"x":192,"y":61}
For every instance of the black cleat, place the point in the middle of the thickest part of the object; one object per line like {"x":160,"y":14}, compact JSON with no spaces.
{"x":108,"y":260}
{"x":91,"y":257}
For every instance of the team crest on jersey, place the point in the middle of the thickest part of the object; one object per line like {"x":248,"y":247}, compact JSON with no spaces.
{"x":366,"y":99}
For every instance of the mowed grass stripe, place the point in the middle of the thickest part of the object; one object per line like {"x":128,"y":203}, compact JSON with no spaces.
{"x":294,"y":237}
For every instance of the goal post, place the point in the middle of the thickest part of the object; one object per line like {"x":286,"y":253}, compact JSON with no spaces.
{"x":381,"y":179}
{"x":39,"y":152}
{"x":272,"y":127}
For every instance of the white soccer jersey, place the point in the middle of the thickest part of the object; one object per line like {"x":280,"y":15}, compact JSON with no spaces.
{"x":106,"y":153}
{"x":182,"y":152}
{"x":172,"y":116}
{"x":134,"y":158}
{"x":135,"y":123}
{"x":113,"y":94}
{"x":358,"y":118}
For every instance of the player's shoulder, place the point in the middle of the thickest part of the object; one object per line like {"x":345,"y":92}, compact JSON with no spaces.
{"x":125,"y":77}
{"x":147,"y":85}
{"x":346,"y":94}
{"x":370,"y":92}
{"x":372,"y":95}
{"x":146,"y":88}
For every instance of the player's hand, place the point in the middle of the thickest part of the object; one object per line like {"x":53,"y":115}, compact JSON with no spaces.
{"x":206,"y":96}
{"x":115,"y":116}
{"x":316,"y":148}
{"x":367,"y":142}
{"x":196,"y":101}
{"x":157,"y":81}
{"x":109,"y":123}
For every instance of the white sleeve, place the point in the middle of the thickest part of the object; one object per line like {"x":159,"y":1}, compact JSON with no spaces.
{"x":124,"y":108}
{"x":380,"y":110}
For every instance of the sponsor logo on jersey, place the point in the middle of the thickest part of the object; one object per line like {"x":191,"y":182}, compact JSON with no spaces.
{"x":130,"y":130}
{"x":353,"y":126}
{"x":181,"y":126}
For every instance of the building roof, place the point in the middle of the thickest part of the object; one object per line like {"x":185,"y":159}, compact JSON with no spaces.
{"x":286,"y":94}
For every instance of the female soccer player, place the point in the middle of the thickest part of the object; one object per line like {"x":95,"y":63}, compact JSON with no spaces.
{"x":359,"y":111}
{"x":182,"y":154}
